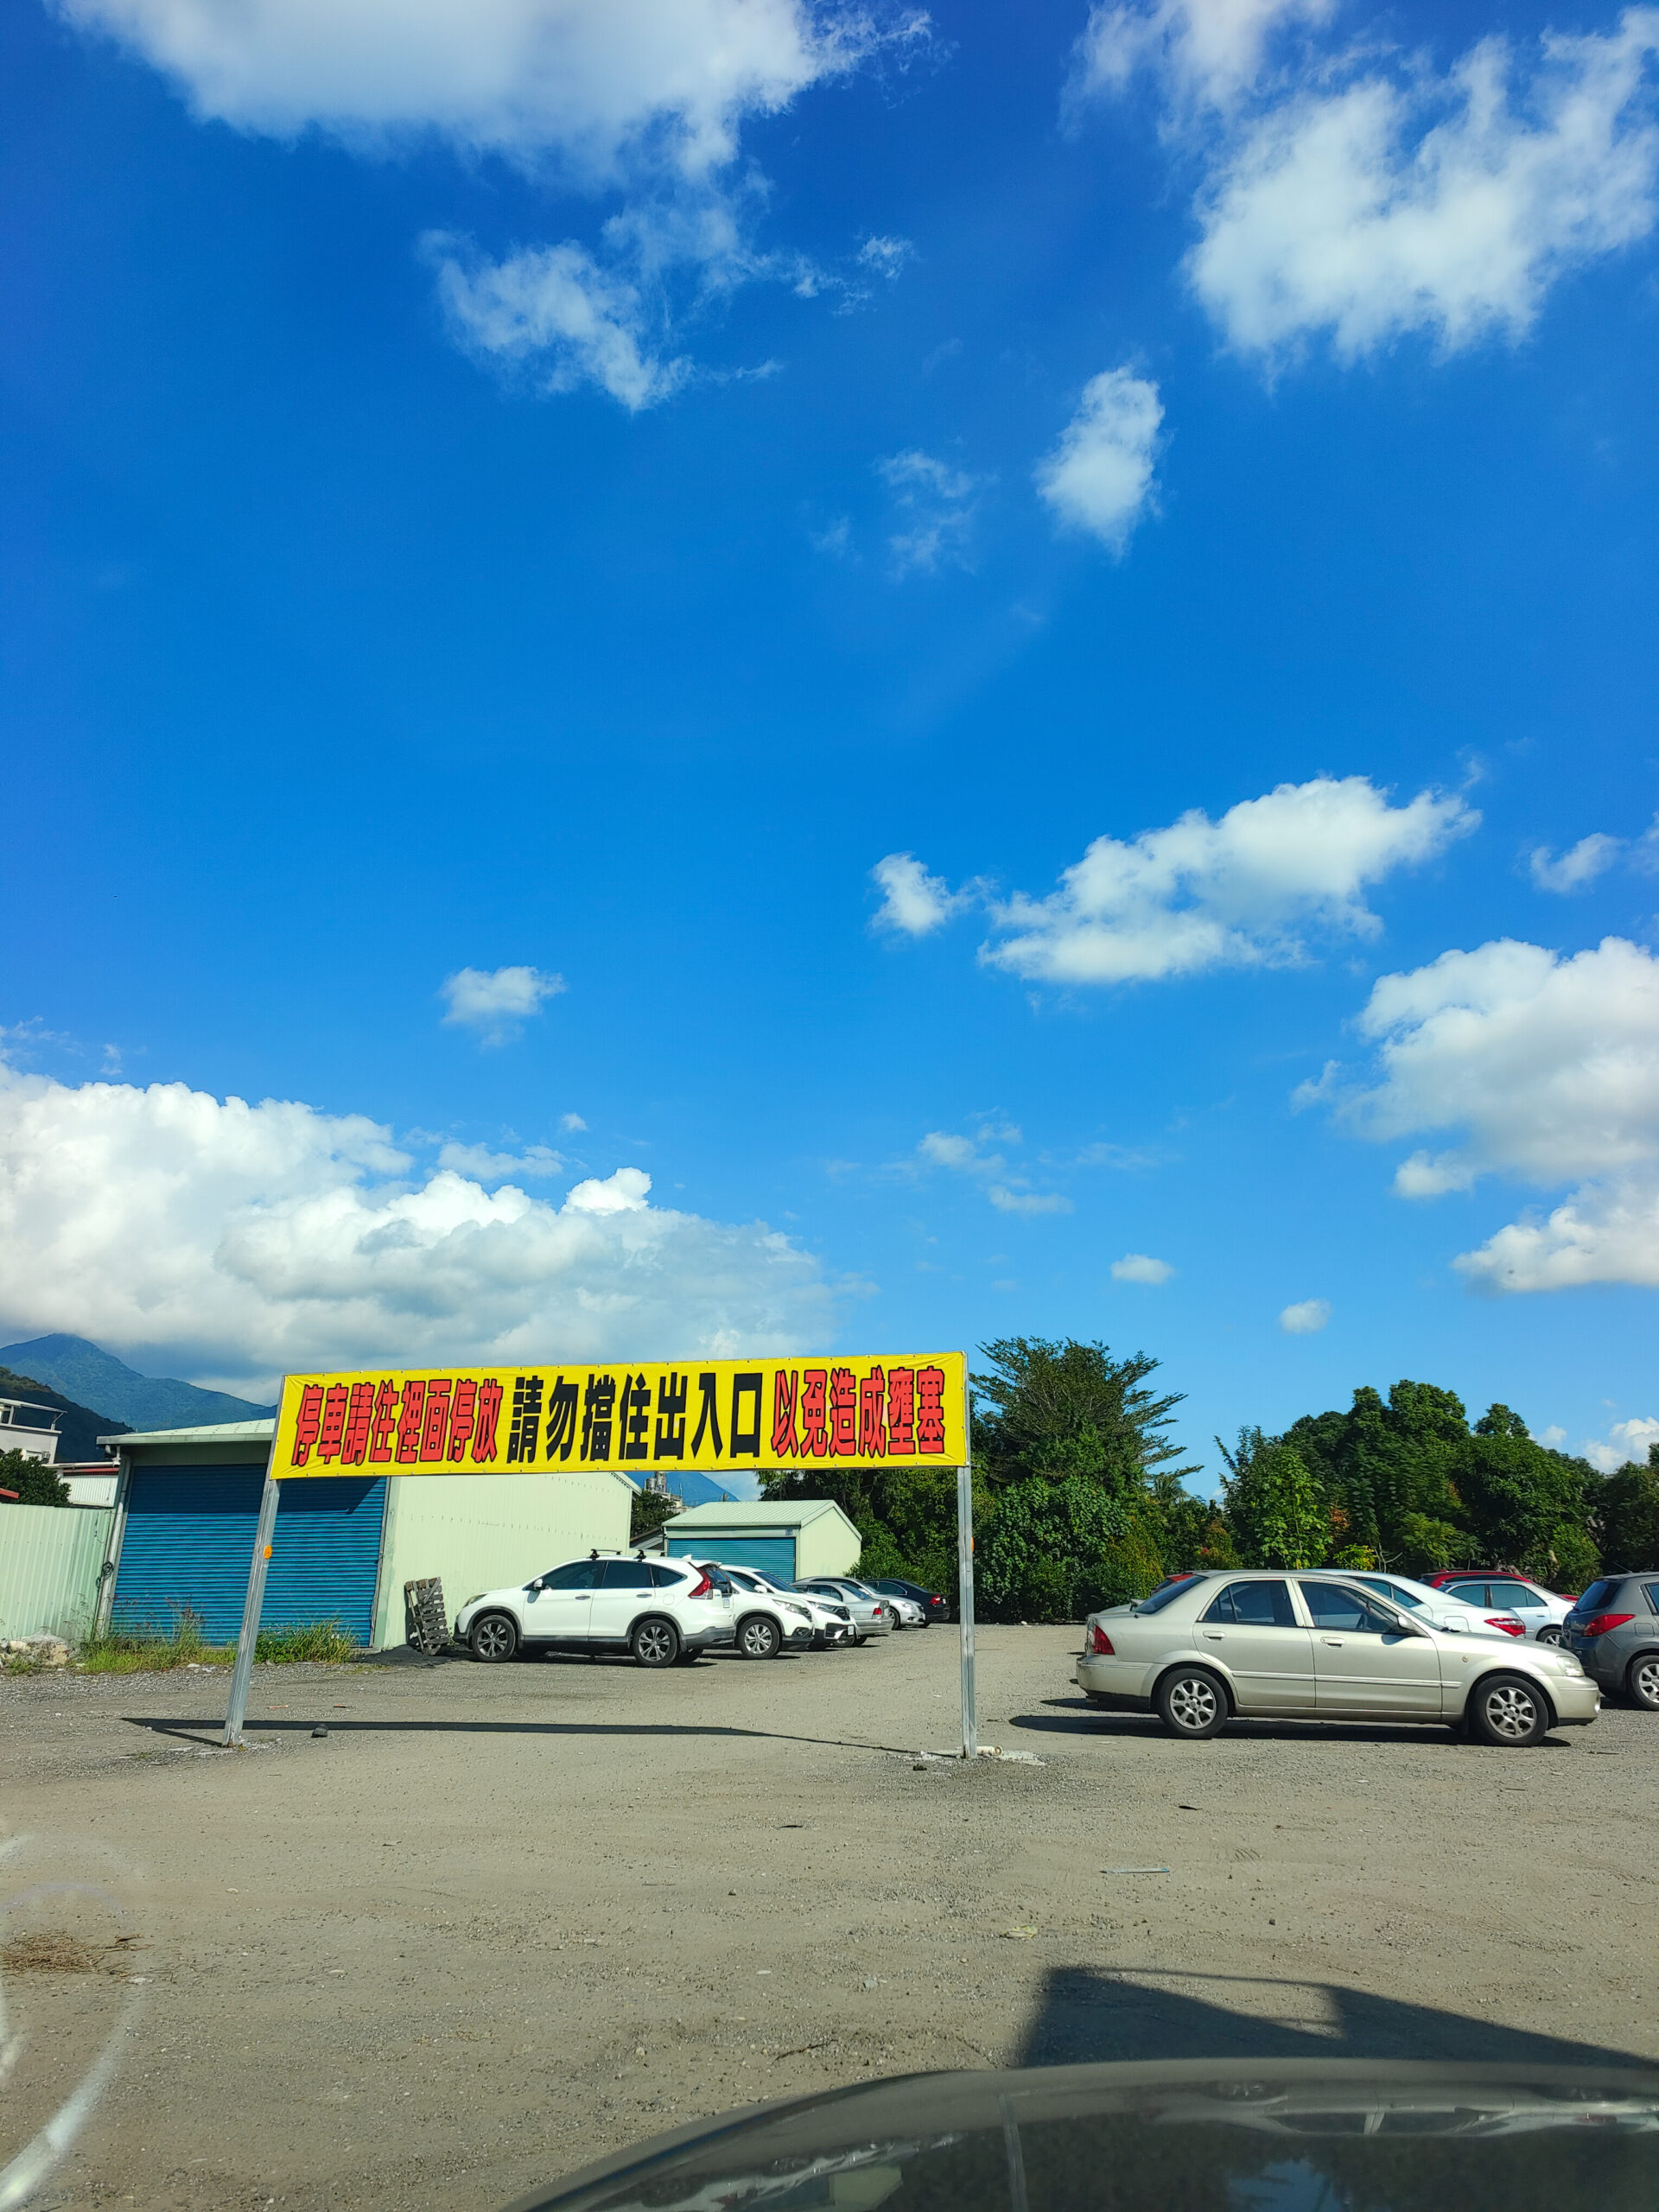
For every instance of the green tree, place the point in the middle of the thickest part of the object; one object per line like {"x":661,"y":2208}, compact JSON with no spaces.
{"x":1627,"y":1515}
{"x":36,"y":1482}
{"x":1525,"y":1506}
{"x":1275,"y":1508}
{"x":647,"y":1511}
{"x":1053,"y":1551}
{"x":1053,"y":1408}
{"x":1386,"y":1469}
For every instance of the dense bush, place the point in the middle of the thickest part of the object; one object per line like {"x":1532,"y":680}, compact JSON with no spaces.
{"x":34,"y":1481}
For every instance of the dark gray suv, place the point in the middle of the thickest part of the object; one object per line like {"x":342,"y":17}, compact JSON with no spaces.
{"x":1613,"y":1632}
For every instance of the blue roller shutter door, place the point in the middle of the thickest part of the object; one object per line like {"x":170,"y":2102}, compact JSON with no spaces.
{"x":189,"y":1538}
{"x":772,"y":1555}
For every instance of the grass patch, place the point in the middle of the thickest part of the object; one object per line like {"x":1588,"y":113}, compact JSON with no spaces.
{"x":136,"y":1651}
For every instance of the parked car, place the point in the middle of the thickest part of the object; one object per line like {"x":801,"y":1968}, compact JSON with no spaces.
{"x":1316,"y":1646}
{"x":933,"y":1607}
{"x":1436,"y":1606}
{"x":1500,"y":1590}
{"x":906,"y":1613}
{"x":1613,"y":1632}
{"x":870,"y":1614}
{"x":832,"y":1624}
{"x":766,"y":1620}
{"x":661,"y":1610}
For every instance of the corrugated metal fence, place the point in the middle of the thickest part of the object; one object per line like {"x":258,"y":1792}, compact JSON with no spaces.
{"x":50,"y":1556}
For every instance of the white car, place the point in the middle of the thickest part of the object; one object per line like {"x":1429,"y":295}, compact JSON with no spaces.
{"x":1542,"y":1612}
{"x":832,"y":1624}
{"x":907,"y":1612}
{"x":1315,"y":1646}
{"x":870,"y":1615}
{"x":663,"y":1610}
{"x":765,"y":1620}
{"x":1437,"y":1606}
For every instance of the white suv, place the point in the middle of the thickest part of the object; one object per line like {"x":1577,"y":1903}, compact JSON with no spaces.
{"x":663,"y":1610}
{"x":767,"y":1619}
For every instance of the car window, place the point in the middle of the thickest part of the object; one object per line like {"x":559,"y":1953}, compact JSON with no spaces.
{"x":1518,"y":1594}
{"x":1597,"y":1595}
{"x":1651,"y":1590}
{"x":1466,"y":1593}
{"x":1333,"y":1607}
{"x":581,"y":1574}
{"x":626,"y":1575}
{"x":1254,"y":1605}
{"x":1392,"y":1590}
{"x":667,"y":1577}
{"x":1165,"y":1596}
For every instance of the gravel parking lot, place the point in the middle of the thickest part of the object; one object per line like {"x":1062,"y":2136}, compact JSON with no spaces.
{"x":502,"y":1920}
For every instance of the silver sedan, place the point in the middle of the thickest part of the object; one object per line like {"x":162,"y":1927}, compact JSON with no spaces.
{"x":1306,"y":1646}
{"x":871,"y":1615}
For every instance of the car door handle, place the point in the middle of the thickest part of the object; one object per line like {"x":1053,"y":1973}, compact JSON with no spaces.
{"x":1214,"y":1636}
{"x":1335,"y":1642}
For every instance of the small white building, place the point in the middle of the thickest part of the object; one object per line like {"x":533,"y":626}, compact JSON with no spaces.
{"x":787,"y":1540}
{"x":23,"y":1427}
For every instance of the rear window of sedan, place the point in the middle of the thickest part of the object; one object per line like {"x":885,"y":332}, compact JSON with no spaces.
{"x":1160,"y":1598}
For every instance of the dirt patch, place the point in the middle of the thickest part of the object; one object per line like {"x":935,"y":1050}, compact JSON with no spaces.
{"x":53,"y":1950}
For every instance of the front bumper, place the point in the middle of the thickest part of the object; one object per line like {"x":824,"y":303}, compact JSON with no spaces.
{"x":1577,"y":1699}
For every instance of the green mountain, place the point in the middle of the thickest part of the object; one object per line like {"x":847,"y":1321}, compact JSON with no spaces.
{"x":96,"y":1377}
{"x":80,"y":1427}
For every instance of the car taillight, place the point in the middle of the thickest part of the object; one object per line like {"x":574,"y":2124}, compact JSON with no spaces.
{"x":1101,"y":1643}
{"x":705,"y":1588}
{"x":1598,"y":1624}
{"x":1510,"y":1628}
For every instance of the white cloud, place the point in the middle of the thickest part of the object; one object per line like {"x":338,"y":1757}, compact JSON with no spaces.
{"x":1368,"y":208}
{"x":1362,"y":194}
{"x":483,"y":1166}
{"x":1547,"y":1069}
{"x":970,"y":1155}
{"x":554,"y":308}
{"x":913,"y":901}
{"x":572,"y":1124}
{"x":596,"y":86}
{"x":1140,"y":1266}
{"x":496,"y":1001}
{"x":1552,"y":1437}
{"x":646,"y":97}
{"x":1306,"y":1319}
{"x":886,"y":257}
{"x":240,"y":1240}
{"x":1240,"y":891}
{"x":1208,"y":52}
{"x":1098,"y":479}
{"x":937,"y":504}
{"x":1591,"y":857}
{"x":1626,"y":1440}
{"x":1006,"y":1200}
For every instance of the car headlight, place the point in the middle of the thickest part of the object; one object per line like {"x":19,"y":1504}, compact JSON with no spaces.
{"x":473,"y":1599}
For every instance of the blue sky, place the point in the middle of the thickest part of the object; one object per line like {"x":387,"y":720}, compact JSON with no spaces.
{"x":517,"y":513}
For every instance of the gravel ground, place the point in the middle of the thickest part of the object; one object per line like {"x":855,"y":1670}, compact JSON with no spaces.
{"x":501,"y":1921}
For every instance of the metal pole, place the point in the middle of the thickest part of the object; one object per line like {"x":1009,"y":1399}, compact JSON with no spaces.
{"x":965,"y":1591}
{"x":256,"y":1597}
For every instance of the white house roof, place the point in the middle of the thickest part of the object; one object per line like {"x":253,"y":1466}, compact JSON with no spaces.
{"x":224,"y":1431}
{"x":760,"y":1513}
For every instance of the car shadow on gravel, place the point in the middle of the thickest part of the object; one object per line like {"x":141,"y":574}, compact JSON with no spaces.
{"x":1075,"y":1716}
{"x":1087,"y":2014}
{"x":211,"y":1732}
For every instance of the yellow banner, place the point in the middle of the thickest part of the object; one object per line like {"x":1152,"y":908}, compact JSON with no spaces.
{"x":710,"y":1414}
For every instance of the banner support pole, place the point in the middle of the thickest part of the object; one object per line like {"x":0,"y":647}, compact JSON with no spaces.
{"x":965,"y":1576}
{"x":243,"y":1669}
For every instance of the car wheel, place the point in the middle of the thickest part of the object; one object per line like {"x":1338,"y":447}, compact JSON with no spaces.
{"x":655,"y":1642}
{"x":758,"y":1637}
{"x":1192,"y":1702}
{"x":1548,"y":1635}
{"x":1508,"y":1710}
{"x":494,"y":1636}
{"x":1642,"y":1681}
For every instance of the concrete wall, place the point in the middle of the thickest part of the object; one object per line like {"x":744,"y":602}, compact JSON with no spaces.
{"x":483,"y":1532}
{"x":50,"y":1560}
{"x":828,"y":1544}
